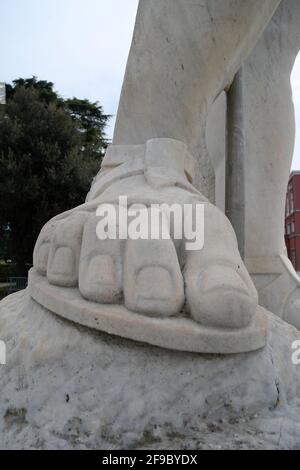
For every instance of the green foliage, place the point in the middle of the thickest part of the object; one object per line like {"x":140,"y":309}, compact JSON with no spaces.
{"x":90,"y":120}
{"x":50,"y":149}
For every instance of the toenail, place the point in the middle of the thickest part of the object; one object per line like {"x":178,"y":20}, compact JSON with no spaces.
{"x":63,"y":263}
{"x":42,"y":258}
{"x":102,"y":269}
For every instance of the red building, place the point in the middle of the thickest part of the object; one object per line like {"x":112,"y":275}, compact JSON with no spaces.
{"x":292,"y":219}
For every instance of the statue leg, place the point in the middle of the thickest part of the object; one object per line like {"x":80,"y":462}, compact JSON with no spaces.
{"x":191,"y":50}
{"x":183,"y":55}
{"x":269,"y":130}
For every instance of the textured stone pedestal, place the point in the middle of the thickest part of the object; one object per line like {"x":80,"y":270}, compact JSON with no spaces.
{"x":66,"y":386}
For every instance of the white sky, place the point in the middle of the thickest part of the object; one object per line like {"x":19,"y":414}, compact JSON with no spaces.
{"x":81,"y":46}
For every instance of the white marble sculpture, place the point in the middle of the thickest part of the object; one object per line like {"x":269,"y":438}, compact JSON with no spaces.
{"x":66,"y":386}
{"x":154,"y":290}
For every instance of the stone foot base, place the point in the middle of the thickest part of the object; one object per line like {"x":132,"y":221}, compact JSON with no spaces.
{"x":69,"y":387}
{"x":177,"y":333}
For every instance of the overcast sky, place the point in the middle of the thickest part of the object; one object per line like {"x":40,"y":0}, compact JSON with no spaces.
{"x":81,"y":46}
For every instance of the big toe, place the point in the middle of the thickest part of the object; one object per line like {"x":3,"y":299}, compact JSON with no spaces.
{"x":218,"y":297}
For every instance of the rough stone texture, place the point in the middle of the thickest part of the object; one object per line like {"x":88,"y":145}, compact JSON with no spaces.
{"x":66,"y":386}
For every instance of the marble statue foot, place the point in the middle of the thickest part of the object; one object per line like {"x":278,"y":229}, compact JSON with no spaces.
{"x":155,"y":284}
{"x":278,"y":286}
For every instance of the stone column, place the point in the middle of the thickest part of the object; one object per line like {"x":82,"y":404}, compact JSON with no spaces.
{"x":235,"y":161}
{"x":2,"y":93}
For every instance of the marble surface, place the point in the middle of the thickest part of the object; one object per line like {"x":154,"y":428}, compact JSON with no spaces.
{"x":69,"y":387}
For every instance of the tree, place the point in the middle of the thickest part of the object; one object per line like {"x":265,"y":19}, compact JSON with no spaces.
{"x":50,"y":149}
{"x":90,"y":121}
